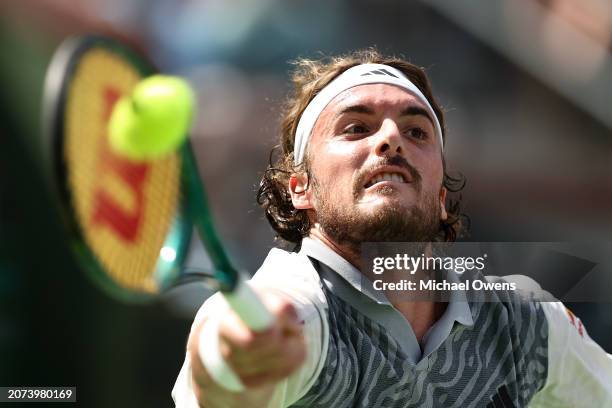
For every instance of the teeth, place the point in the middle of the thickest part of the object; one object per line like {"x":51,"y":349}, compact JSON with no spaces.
{"x":386,"y":177}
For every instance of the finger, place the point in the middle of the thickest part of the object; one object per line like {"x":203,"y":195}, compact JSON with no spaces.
{"x":267,"y":346}
{"x":273,"y":374}
{"x":293,"y":329}
{"x":238,"y":335}
{"x":289,"y":354}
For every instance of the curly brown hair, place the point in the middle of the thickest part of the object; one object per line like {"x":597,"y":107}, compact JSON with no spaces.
{"x":309,"y":78}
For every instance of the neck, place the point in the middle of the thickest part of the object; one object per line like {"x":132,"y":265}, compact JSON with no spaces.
{"x":352,"y":255}
{"x":420,"y":314}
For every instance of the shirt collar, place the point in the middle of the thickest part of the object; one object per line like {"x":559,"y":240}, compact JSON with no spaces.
{"x":324,"y":254}
{"x":458,"y":305}
{"x":458,"y":308}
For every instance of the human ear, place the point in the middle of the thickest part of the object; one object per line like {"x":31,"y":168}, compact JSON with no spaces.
{"x":301,"y":196}
{"x":443,"y":213}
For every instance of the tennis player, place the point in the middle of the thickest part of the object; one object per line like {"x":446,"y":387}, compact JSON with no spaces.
{"x":362,"y":160}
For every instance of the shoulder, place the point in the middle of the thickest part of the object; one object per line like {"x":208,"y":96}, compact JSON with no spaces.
{"x":519,"y":288}
{"x":285,"y":266}
{"x":288,"y":272}
{"x":529,"y":300}
{"x":579,"y":370}
{"x":292,"y":273}
{"x":515,"y":300}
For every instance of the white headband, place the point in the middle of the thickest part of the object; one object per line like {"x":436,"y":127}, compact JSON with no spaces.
{"x":355,"y":76}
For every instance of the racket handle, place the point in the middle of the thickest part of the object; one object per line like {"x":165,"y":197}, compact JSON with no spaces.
{"x":247,"y":305}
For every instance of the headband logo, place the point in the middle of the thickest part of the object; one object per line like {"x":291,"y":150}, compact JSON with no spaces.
{"x":381,"y":71}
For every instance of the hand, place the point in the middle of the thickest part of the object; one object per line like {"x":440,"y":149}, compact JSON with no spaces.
{"x":260,"y":359}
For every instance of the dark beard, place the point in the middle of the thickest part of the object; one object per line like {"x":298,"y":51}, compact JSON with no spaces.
{"x":389,"y":224}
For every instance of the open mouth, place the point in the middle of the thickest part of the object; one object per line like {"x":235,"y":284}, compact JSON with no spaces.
{"x":386,"y":176}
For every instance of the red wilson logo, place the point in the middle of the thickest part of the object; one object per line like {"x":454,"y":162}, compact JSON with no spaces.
{"x":106,"y":210}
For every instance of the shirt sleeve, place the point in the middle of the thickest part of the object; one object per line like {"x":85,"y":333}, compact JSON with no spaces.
{"x":292,"y":276}
{"x":182,"y":392}
{"x":579,"y":370}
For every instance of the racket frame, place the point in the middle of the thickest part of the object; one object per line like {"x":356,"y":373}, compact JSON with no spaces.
{"x":193,"y":207}
{"x":59,"y":77}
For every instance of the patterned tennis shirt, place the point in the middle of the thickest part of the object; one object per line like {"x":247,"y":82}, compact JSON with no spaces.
{"x":503,"y":351}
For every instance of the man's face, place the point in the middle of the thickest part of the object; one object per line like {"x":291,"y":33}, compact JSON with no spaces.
{"x":375,"y":168}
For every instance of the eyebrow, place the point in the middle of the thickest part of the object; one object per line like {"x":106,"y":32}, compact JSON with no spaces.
{"x":416,"y":110}
{"x":409,"y":111}
{"x":356,"y":109}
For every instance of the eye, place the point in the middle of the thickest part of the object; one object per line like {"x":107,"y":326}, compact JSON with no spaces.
{"x":355,"y":129}
{"x":417,"y":133}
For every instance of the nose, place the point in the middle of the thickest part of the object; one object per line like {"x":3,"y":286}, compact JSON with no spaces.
{"x":389,"y":142}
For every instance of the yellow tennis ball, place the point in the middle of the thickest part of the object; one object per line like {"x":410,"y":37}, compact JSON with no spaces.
{"x":154,"y":120}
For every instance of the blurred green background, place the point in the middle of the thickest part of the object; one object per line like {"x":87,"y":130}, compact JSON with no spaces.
{"x":527,"y":88}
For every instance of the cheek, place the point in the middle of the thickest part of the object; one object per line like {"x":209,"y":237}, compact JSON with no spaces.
{"x":431,"y":171}
{"x":341,"y":150}
{"x":434,"y":179}
{"x":340,"y":161}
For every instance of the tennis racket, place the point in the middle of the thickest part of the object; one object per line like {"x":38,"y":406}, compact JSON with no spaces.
{"x":129,"y":222}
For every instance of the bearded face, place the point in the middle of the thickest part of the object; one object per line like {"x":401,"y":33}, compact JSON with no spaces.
{"x":375,"y":169}
{"x":394,"y":221}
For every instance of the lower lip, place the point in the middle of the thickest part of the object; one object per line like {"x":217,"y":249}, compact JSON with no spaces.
{"x":386,"y":183}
